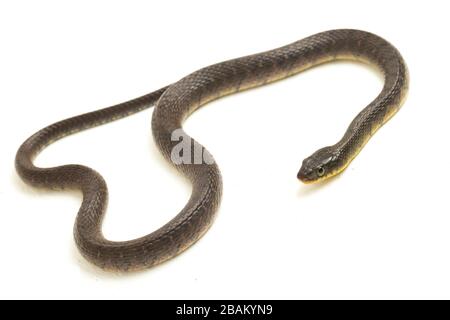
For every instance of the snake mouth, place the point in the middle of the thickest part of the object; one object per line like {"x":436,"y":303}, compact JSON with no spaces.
{"x":308,"y":178}
{"x":304,"y":177}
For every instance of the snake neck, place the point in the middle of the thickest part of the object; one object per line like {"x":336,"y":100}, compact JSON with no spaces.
{"x":374,"y":116}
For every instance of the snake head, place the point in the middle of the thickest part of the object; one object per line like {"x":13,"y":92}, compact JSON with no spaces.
{"x":320,"y":165}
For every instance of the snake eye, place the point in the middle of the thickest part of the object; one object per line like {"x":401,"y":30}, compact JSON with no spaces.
{"x":320,"y":171}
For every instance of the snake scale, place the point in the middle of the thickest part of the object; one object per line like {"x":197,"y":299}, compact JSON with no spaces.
{"x":174,"y":103}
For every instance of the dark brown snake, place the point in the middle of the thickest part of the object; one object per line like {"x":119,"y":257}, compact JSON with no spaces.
{"x":174,"y":103}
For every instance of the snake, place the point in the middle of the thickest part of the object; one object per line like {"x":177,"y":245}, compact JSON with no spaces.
{"x":173,"y":104}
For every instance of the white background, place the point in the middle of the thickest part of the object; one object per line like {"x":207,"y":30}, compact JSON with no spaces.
{"x":380,"y":230}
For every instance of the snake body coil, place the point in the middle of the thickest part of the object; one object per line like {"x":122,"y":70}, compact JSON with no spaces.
{"x":174,"y":104}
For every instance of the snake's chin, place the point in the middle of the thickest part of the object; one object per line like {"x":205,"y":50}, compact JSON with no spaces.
{"x":306,"y":181}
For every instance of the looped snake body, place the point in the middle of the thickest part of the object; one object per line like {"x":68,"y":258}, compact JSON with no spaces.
{"x":174,"y":103}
